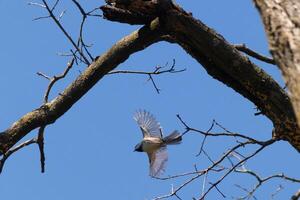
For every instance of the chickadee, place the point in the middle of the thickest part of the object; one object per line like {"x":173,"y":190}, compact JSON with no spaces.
{"x":153,"y":143}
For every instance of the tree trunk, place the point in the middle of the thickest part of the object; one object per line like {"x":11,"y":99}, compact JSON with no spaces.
{"x":282,"y":24}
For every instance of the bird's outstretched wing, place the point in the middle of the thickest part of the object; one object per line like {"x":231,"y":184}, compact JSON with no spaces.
{"x":158,"y":161}
{"x":148,"y":124}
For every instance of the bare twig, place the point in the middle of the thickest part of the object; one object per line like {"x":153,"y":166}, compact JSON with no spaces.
{"x":36,"y":4}
{"x":261,"y":181}
{"x":203,"y":185}
{"x":226,"y":134}
{"x":40,"y":142}
{"x":80,"y":41}
{"x":204,"y":139}
{"x":215,"y":186}
{"x":245,"y":49}
{"x":247,"y":191}
{"x":157,"y":71}
{"x":174,"y":192}
{"x":280,"y":187}
{"x":90,"y":13}
{"x":83,"y":13}
{"x":54,"y":79}
{"x":13,"y":150}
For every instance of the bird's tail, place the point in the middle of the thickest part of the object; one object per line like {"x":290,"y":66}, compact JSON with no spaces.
{"x":173,"y":138}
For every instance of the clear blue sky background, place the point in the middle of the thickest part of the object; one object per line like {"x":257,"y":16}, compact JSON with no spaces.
{"x":89,"y":150}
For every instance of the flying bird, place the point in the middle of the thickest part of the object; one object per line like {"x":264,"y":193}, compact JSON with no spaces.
{"x":154,"y":143}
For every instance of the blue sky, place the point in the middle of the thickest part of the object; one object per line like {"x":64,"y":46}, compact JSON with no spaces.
{"x":89,"y":150}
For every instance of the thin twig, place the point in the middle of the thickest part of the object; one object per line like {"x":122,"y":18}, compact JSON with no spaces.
{"x":13,"y":150}
{"x":261,"y":181}
{"x":267,"y":143}
{"x":54,"y":79}
{"x":40,"y":142}
{"x":245,"y":49}
{"x":157,"y":71}
{"x":36,"y":4}
{"x":226,"y":134}
{"x":50,"y":11}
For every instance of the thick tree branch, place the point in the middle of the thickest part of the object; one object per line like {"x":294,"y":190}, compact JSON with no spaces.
{"x":226,"y":64}
{"x":48,"y":113}
{"x":125,"y":16}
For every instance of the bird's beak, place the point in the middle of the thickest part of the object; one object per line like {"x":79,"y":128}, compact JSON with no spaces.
{"x":138,"y":147}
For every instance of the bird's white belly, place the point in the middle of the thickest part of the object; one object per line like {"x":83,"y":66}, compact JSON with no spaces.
{"x":151,"y":144}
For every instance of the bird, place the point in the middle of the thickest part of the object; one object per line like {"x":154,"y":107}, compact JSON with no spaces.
{"x":153,"y":142}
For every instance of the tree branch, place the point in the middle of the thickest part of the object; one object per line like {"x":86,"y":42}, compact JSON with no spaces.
{"x":157,"y":71}
{"x":245,"y":49}
{"x":54,"y":79}
{"x":48,"y":113}
{"x":15,"y":149}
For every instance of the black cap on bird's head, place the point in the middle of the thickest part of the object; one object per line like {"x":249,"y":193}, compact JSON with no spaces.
{"x":138,"y":147}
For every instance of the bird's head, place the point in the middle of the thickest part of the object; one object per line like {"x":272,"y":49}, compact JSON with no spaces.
{"x":138,"y":147}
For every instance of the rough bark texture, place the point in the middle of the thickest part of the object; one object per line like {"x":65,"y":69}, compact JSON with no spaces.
{"x":281,"y":19}
{"x":220,"y":59}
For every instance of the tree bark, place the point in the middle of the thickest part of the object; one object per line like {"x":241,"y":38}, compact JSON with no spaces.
{"x":281,"y":19}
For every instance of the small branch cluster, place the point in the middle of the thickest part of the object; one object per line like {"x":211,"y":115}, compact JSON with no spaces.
{"x":81,"y":51}
{"x":260,"y":181}
{"x":220,"y":165}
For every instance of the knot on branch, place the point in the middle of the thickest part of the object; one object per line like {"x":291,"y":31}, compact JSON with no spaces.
{"x":135,"y":11}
